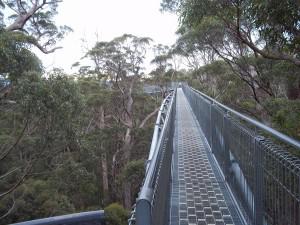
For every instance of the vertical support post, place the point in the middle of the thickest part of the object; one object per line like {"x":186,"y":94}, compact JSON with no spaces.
{"x":209,"y":136}
{"x":259,"y":183}
{"x":226,"y":132}
{"x":212,"y":127}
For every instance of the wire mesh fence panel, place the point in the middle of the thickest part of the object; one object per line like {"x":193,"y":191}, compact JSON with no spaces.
{"x":264,"y":177}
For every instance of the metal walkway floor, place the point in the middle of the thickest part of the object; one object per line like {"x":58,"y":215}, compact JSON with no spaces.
{"x":199,"y":195}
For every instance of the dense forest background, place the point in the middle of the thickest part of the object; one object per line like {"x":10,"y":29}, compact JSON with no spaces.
{"x":77,"y":142}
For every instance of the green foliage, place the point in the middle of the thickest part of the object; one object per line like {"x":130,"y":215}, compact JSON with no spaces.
{"x":134,"y":171}
{"x":15,"y":57}
{"x":115,"y":214}
{"x":77,"y":182}
{"x":279,"y":26}
{"x":285,"y":115}
{"x":57,"y":94}
{"x":34,"y":21}
{"x":37,"y":199}
{"x":268,"y":28}
{"x":71,"y":135}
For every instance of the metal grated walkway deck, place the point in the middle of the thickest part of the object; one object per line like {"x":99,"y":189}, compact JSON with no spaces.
{"x":199,"y":195}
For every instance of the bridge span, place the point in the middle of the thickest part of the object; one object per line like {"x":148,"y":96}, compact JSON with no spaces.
{"x":198,"y":191}
{"x":211,"y":165}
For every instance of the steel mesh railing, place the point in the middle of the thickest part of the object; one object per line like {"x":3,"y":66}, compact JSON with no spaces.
{"x":263,"y":176}
{"x":152,"y":206}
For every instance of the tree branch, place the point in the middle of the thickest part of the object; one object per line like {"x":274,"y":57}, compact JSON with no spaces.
{"x":142,"y":124}
{"x":5,"y":154}
{"x":9,"y":210}
{"x":21,"y":180}
{"x":9,"y":172}
{"x":43,"y":49}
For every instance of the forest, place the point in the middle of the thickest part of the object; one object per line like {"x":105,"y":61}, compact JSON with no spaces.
{"x":78,"y":142}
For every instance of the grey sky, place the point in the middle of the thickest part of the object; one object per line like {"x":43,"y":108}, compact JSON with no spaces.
{"x":108,"y":19}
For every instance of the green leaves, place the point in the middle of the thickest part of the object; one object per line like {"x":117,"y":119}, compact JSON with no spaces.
{"x":115,"y":214}
{"x":15,"y":57}
{"x":268,"y":28}
{"x":285,"y":115}
{"x":34,"y":19}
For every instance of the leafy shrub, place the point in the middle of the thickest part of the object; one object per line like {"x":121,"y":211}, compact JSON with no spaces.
{"x":116,"y":215}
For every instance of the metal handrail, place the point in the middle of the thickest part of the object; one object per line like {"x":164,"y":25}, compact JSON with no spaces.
{"x":143,"y":208}
{"x":275,"y":133}
{"x":76,"y":218}
{"x":157,"y":128}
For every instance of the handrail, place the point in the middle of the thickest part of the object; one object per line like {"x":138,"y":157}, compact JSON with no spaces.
{"x":75,"y":218}
{"x":157,"y":128}
{"x":145,"y":200}
{"x":275,"y":133}
{"x":157,"y":140}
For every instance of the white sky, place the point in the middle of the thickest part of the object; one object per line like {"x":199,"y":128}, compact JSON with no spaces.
{"x":108,"y":19}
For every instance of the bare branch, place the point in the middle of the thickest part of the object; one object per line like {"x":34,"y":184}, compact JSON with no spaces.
{"x":19,"y":182}
{"x":9,"y":210}
{"x":44,"y":50}
{"x":8,"y":173}
{"x":148,"y":117}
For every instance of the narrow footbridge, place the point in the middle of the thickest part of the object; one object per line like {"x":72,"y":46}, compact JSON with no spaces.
{"x":210,"y":165}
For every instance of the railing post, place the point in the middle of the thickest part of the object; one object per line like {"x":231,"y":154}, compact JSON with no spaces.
{"x":212,"y":127}
{"x":259,"y":183}
{"x":226,"y":146}
{"x":143,"y":211}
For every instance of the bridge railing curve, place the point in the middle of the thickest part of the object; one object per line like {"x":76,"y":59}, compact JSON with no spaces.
{"x":91,"y":218}
{"x":263,"y":176}
{"x":152,"y":204}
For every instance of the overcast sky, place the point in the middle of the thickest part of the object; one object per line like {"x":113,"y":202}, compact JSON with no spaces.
{"x":108,"y":19}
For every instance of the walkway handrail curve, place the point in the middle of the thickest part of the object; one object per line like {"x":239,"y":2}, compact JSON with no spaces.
{"x":286,"y":139}
{"x":91,"y":217}
{"x":157,"y":128}
{"x":158,"y":156}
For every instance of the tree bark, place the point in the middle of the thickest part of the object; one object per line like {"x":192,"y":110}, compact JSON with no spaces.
{"x":105,"y":179}
{"x":104,"y":161}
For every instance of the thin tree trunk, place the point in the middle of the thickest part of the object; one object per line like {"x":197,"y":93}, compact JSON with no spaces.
{"x":105,"y":179}
{"x":127,"y":195}
{"x":104,"y":161}
{"x":127,"y":150}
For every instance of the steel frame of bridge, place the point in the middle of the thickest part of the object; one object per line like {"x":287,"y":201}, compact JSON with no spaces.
{"x":263,"y":176}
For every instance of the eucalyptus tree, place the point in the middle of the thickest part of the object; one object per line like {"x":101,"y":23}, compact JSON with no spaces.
{"x":27,"y":24}
{"x":234,"y":31}
{"x":33,"y":20}
{"x":121,"y":61}
{"x":273,"y":34}
{"x":162,"y":64}
{"x":36,"y":129}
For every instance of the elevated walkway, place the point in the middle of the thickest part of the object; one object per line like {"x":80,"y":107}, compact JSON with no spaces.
{"x":198,"y":191}
{"x":196,"y":143}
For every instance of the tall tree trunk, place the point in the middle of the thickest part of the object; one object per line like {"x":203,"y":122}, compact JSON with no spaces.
{"x":127,"y":151}
{"x":106,"y":196}
{"x":104,"y":161}
{"x":128,"y":140}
